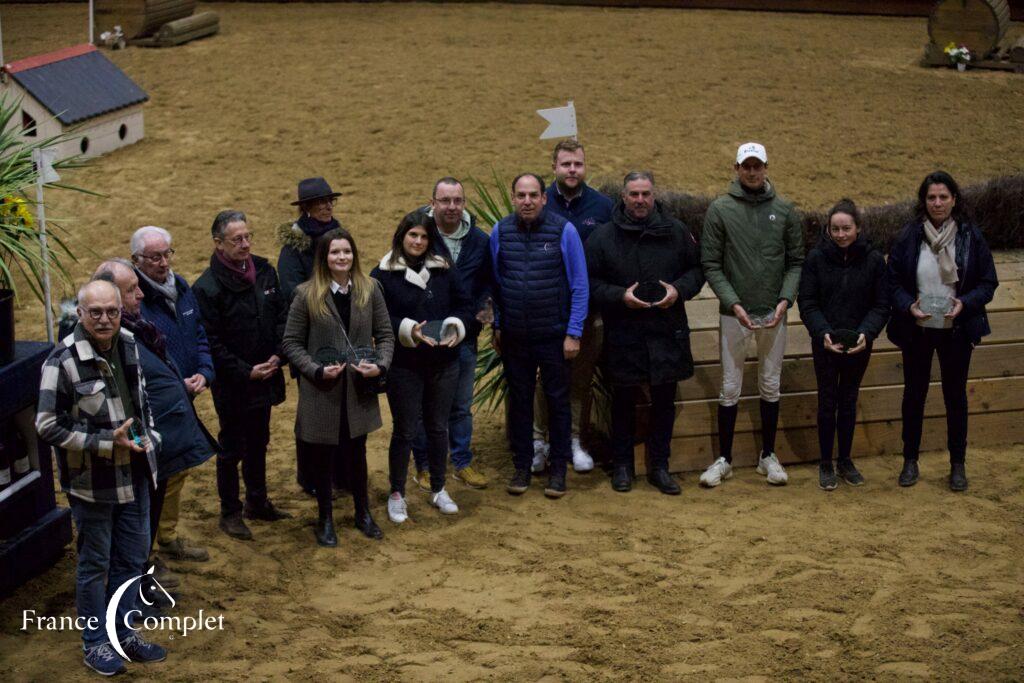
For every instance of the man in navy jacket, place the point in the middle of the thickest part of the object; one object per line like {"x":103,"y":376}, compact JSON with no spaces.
{"x":541,"y":291}
{"x":586,"y":208}
{"x":171,"y":306}
{"x":467,"y":246}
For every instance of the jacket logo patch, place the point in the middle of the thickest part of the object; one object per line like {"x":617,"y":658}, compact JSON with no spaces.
{"x":771,"y":216}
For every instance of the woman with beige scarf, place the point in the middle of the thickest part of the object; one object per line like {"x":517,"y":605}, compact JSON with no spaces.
{"x":940,"y":276}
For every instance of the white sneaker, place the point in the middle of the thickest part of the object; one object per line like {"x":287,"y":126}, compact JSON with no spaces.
{"x":771,"y":468}
{"x":443,"y":502}
{"x":397,"y":510}
{"x":720,"y":469}
{"x":581,"y":460}
{"x":540,"y":455}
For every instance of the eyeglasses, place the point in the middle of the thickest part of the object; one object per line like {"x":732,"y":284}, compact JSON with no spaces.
{"x":451,"y":201}
{"x":237,"y":241}
{"x":157,"y":258}
{"x":323,"y":200}
{"x":98,"y":313}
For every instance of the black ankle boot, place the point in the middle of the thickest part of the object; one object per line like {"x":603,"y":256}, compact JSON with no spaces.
{"x":622,"y":478}
{"x":365,"y":523}
{"x":660,"y":479}
{"x":957,"y":476}
{"x":324,"y":532}
{"x":908,"y":477}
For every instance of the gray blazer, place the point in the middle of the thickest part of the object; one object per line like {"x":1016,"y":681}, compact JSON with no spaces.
{"x":318,"y":417}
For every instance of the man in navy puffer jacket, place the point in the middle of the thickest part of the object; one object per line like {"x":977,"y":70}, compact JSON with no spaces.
{"x":541,"y":292}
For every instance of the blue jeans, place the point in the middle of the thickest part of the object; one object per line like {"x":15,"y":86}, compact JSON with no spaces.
{"x":460,"y":422}
{"x":113,"y":547}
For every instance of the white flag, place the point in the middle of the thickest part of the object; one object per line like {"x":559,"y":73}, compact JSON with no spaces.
{"x":561,"y":122}
{"x":43,"y":159}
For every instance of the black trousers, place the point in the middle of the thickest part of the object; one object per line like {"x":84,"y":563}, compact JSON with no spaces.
{"x":659,"y":436}
{"x":325,"y":463}
{"x":521,"y":358}
{"x":420,"y":396}
{"x":839,"y":376}
{"x":244,"y":435}
{"x":954,"y":351}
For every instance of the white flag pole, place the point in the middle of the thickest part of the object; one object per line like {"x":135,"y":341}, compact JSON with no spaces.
{"x":44,"y":252}
{"x":44,"y":174}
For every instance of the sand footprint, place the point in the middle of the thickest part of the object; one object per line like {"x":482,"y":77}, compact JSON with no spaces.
{"x":919,"y":669}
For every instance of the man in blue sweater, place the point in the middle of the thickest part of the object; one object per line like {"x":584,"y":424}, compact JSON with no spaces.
{"x":586,"y":208}
{"x":541,"y":292}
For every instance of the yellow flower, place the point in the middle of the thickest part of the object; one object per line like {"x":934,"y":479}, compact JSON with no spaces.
{"x":15,"y":208}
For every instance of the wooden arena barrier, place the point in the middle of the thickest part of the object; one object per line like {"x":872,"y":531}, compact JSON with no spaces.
{"x":995,"y":390}
{"x":139,"y":18}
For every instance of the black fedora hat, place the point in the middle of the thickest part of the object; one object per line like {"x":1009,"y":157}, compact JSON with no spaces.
{"x":314,"y":188}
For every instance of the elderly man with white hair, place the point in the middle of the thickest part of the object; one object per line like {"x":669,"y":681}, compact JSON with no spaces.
{"x":171,"y":306}
{"x":93,"y":409}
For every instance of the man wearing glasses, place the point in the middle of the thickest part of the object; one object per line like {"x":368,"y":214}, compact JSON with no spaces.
{"x":171,"y":306}
{"x":93,"y":410}
{"x":244,"y":313}
{"x":467,"y":246}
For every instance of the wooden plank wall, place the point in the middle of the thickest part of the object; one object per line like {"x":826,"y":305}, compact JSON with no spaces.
{"x":908,"y":8}
{"x":995,"y":390}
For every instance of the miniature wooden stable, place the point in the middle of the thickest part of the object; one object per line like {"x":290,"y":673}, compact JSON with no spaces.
{"x":995,"y":390}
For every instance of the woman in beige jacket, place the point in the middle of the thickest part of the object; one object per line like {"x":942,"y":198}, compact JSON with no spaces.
{"x":339,"y":338}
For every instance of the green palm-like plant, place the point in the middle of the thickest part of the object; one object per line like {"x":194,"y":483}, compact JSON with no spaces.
{"x":490,"y":206}
{"x":20,"y":251}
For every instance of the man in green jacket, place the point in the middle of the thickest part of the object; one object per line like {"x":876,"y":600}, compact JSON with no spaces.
{"x":751,"y":251}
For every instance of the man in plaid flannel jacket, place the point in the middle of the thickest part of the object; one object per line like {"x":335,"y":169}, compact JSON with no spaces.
{"x":93,"y":410}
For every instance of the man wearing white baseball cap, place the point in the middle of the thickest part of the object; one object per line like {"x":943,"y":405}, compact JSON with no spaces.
{"x":752,"y":249}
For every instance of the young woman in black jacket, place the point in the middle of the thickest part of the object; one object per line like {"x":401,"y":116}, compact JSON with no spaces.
{"x":844,"y":305}
{"x":420,"y":288}
{"x":940,"y":261}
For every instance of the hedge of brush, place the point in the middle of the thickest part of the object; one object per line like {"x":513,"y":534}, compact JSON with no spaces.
{"x":996,"y":205}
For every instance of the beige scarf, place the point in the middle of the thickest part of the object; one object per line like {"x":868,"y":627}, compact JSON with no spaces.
{"x":942,"y":243}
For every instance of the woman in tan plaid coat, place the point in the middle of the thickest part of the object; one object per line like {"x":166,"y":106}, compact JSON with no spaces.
{"x":339,"y":338}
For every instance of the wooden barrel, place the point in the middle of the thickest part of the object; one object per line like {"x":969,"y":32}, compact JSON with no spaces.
{"x":978,"y":24}
{"x":191,"y":27}
{"x":139,"y":18}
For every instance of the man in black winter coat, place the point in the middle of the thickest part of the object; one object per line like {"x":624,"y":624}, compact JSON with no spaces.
{"x":244,"y":313}
{"x":643,"y":265}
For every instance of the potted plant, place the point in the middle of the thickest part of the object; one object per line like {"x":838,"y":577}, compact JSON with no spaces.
{"x":958,"y":55}
{"x":21,"y":255}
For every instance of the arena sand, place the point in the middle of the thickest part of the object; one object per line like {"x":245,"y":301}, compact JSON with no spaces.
{"x":742,"y":582}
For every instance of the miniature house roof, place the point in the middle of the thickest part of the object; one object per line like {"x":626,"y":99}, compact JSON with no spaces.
{"x":76,"y":83}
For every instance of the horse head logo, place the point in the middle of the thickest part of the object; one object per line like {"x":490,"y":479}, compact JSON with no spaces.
{"x":115,"y":602}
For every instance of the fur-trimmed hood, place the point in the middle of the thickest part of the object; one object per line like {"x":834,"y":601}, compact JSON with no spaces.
{"x":291,"y":235}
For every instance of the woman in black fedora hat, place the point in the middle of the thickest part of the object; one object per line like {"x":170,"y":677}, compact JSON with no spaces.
{"x":298,"y":240}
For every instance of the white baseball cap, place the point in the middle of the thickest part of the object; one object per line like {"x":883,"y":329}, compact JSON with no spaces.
{"x":751,"y":149}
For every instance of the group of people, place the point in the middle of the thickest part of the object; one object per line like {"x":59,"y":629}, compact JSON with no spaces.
{"x":569,"y":280}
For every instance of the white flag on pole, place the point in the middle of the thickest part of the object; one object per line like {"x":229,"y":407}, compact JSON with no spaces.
{"x":561,"y":122}
{"x":43,"y":159}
